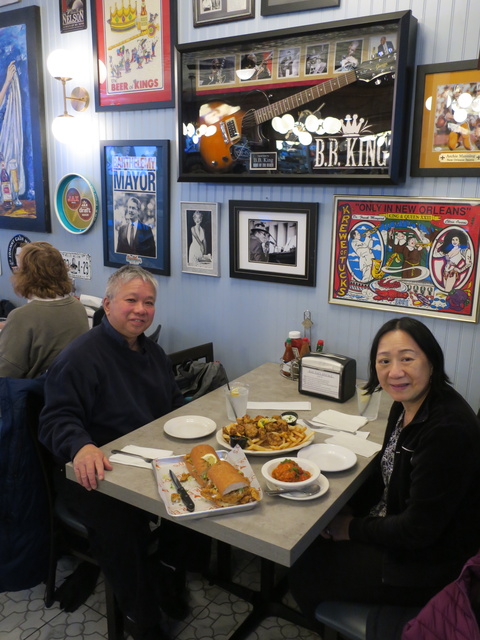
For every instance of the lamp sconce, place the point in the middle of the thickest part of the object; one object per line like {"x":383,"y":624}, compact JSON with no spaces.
{"x":61,"y":66}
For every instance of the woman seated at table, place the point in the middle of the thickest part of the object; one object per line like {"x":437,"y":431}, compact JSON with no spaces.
{"x":416,"y":520}
{"x":36,"y":332}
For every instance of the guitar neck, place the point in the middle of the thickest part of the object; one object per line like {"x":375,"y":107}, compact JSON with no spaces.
{"x":312,"y":93}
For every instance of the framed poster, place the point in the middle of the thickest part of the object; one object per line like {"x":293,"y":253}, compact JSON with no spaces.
{"x":24,"y":199}
{"x":410,"y":255}
{"x":136,"y":204}
{"x":274,"y":241}
{"x":326,"y":104}
{"x":133,"y":49}
{"x":200,"y":238}
{"x":73,"y":15}
{"x":273,"y":7}
{"x":214,"y":11}
{"x":446,"y":126}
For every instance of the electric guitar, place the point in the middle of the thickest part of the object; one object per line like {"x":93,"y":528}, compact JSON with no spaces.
{"x":225,"y":124}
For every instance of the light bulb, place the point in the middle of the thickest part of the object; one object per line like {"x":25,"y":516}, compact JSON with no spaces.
{"x":61,"y":63}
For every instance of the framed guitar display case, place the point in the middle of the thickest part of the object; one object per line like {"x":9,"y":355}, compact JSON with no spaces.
{"x":330,"y":104}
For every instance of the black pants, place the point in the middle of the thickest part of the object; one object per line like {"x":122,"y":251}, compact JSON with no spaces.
{"x":347,"y":571}
{"x":120,"y":538}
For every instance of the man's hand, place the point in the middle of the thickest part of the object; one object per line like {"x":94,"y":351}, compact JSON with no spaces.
{"x":89,"y":465}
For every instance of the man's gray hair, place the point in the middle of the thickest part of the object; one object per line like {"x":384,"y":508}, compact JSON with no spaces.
{"x":125,"y":274}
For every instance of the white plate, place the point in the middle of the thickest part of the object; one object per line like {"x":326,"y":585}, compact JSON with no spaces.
{"x":189,"y":427}
{"x":330,"y":457}
{"x":298,"y":495}
{"x":272,"y":452}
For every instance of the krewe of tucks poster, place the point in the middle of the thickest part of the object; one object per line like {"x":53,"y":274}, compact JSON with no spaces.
{"x":411,"y":255}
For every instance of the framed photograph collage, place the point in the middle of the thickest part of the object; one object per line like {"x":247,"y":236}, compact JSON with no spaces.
{"x":327,"y":104}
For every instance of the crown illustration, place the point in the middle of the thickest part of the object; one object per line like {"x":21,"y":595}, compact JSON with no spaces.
{"x":353,"y":126}
{"x":124,"y":18}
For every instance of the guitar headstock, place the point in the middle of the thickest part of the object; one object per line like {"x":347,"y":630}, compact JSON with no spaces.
{"x":377,"y":67}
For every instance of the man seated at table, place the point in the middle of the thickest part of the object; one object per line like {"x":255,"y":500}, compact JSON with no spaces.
{"x":108,"y":382}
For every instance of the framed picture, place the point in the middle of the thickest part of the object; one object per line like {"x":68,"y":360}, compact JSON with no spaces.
{"x":24,"y":199}
{"x":273,"y":7}
{"x":328,"y":104}
{"x":133,"y":50}
{"x":136,"y":204}
{"x":274,"y":241}
{"x":446,"y":127}
{"x":200,"y":238}
{"x":213,"y":11}
{"x":409,"y":255}
{"x":73,"y":15}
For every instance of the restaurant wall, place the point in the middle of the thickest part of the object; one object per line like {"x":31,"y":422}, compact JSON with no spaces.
{"x":248,"y":320}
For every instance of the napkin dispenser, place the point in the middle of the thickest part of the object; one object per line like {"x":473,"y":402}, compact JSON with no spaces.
{"x":328,"y":375}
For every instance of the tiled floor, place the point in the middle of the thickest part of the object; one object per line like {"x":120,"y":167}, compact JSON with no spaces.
{"x":214,"y":612}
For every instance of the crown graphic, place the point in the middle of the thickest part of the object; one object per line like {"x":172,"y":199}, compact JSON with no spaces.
{"x":124,"y":18}
{"x":354,"y":126}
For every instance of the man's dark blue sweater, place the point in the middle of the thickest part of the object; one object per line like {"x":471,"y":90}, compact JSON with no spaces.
{"x":99,"y":389}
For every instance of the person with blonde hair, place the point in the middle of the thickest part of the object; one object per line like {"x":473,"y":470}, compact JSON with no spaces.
{"x":35,"y":333}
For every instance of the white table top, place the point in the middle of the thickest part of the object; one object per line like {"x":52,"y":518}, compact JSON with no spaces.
{"x":276,"y":529}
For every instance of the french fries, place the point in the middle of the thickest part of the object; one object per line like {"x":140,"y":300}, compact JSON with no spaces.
{"x":267,"y":434}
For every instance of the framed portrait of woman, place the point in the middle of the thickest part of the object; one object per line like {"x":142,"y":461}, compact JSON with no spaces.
{"x":200,"y":238}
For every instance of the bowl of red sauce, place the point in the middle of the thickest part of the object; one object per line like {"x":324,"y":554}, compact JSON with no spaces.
{"x":289,"y":472}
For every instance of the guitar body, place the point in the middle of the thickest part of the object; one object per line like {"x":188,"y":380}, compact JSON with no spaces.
{"x":216,"y":147}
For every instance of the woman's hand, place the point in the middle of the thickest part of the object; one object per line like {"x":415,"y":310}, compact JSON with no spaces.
{"x":338,"y":528}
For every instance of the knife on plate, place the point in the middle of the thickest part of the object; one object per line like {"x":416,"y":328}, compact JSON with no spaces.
{"x":187,"y":501}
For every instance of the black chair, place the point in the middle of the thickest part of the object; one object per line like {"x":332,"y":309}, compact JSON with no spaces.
{"x":350,"y":620}
{"x":68,"y":536}
{"x":200,"y":352}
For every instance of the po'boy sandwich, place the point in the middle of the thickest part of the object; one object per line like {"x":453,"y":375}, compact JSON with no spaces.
{"x":199,"y":461}
{"x":220,"y":481}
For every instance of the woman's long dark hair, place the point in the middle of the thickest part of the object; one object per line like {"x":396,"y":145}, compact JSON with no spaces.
{"x":425,"y":340}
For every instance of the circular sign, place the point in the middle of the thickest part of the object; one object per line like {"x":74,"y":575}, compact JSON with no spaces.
{"x":14,"y":246}
{"x":76,"y":203}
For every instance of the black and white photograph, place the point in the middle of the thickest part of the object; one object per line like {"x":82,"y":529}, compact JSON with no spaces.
{"x":316,"y":59}
{"x":289,"y":62}
{"x":348,"y":55}
{"x":200,"y":238}
{"x":275,"y":242}
{"x":213,"y":11}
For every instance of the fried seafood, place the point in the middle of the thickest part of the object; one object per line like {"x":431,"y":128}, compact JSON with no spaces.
{"x":266,"y":434}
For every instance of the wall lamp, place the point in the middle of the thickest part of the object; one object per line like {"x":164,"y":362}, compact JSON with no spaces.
{"x":62,"y":66}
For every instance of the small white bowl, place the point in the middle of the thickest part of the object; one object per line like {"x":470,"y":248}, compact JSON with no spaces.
{"x":306,"y":465}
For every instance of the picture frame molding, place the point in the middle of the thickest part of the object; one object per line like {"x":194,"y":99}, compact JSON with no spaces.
{"x":378,"y":275}
{"x":289,"y":6}
{"x":224,"y":14}
{"x":159,"y":264}
{"x":30,"y":16}
{"x":128,"y":99}
{"x":305,"y":217}
{"x":236,"y":159}
{"x":424,"y":123}
{"x":211,"y":268}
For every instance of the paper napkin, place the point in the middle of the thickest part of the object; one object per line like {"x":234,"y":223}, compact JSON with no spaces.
{"x":280,"y":406}
{"x":360,"y":446}
{"x":148,"y":452}
{"x":342,"y":421}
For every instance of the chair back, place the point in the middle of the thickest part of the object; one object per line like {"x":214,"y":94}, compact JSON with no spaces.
{"x":24,"y":510}
{"x":200,"y":352}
